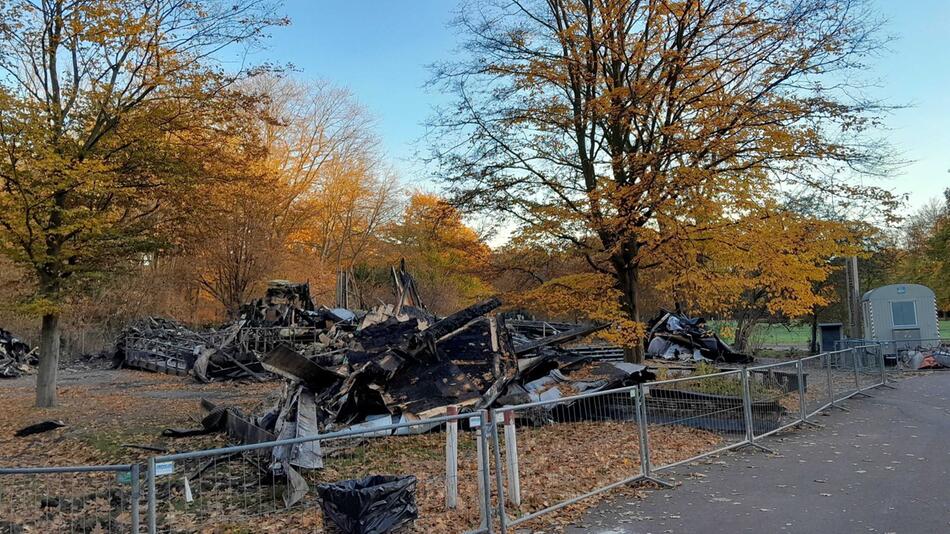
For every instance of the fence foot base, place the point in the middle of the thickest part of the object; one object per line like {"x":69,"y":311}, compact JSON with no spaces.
{"x":811,"y":424}
{"x":863,"y":394}
{"x":657,"y":481}
{"x":756,"y":446}
{"x":842,"y":408}
{"x":888,"y":386}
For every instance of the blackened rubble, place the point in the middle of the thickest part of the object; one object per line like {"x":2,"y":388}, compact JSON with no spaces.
{"x":16,"y":357}
{"x":675,"y":336}
{"x":285,"y":315}
{"x":394,"y":363}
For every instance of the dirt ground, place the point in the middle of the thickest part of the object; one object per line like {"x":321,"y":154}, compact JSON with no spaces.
{"x":105,"y":409}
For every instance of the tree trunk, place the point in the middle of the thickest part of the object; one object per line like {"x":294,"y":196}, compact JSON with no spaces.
{"x":49,"y":361}
{"x":743,"y":331}
{"x":628,"y":279}
{"x":814,"y":332}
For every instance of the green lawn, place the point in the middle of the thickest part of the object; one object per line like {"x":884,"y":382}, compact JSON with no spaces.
{"x":794,"y":335}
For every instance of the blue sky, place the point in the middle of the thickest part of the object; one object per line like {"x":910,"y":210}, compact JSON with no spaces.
{"x":379,"y":50}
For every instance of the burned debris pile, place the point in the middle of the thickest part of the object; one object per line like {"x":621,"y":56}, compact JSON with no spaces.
{"x":403,"y":364}
{"x":674,"y":336}
{"x":285,"y":315}
{"x":16,"y":357}
{"x":400,"y":363}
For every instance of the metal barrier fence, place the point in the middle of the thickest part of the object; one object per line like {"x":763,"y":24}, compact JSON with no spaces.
{"x":816,"y":382}
{"x":897,"y":352}
{"x":93,"y":499}
{"x":688,"y":418}
{"x":552,"y":454}
{"x":547,"y":455}
{"x":227,"y":487}
{"x":559,"y":451}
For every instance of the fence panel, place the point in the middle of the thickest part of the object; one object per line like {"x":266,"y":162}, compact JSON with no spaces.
{"x":689,"y":418}
{"x":841,"y":370}
{"x":93,"y":499}
{"x":228,"y":488}
{"x":556,"y":452}
{"x":775,"y":397}
{"x":870,"y":366}
{"x":818,"y":394}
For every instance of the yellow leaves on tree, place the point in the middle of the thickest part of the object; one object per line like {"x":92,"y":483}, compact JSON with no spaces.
{"x":584,"y":296}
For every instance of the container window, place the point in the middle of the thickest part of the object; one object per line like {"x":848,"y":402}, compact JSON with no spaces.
{"x":904,"y":313}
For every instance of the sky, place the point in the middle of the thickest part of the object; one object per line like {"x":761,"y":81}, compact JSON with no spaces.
{"x":380,"y":50}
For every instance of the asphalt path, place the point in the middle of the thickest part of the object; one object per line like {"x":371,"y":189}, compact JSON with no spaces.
{"x":882,"y":467}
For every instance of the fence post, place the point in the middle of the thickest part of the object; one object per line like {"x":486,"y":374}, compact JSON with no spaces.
{"x":511,"y":455}
{"x":854,"y":365}
{"x":451,"y":459}
{"x":642,"y":427}
{"x":150,"y":480}
{"x":136,"y":494}
{"x":831,"y":387}
{"x":484,"y":482}
{"x":499,"y":479}
{"x":747,"y":407}
{"x":747,"y":410}
{"x":802,"y":412}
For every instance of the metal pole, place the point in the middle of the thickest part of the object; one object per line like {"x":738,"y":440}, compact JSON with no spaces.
{"x":802,"y":414}
{"x":484,"y":427}
{"x":480,"y":477}
{"x":854,"y":364}
{"x":831,"y":388}
{"x":499,"y":480}
{"x":643,"y":424}
{"x":747,"y":409}
{"x":150,"y":480}
{"x":642,"y":427}
{"x":134,"y":474}
{"x":880,"y":357}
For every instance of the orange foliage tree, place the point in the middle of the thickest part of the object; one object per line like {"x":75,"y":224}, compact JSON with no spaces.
{"x":107,"y":107}
{"x":619,"y":128}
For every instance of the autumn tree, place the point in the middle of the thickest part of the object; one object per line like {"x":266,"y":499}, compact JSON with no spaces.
{"x":306,"y":206}
{"x":772,"y":264}
{"x":924,"y":257}
{"x":614,"y":127}
{"x":105,"y":109}
{"x":447,"y":257}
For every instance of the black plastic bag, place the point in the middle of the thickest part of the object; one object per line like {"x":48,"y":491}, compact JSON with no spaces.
{"x":373,"y":505}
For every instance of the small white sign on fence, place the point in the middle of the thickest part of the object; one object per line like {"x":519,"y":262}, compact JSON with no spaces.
{"x":164,"y":468}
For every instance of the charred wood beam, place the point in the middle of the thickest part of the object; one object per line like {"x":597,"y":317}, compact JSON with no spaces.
{"x":558,"y":339}
{"x":424,"y":342}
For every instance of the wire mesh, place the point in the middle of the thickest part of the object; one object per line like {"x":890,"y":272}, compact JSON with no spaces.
{"x":557,"y":451}
{"x":688,"y":418}
{"x":66,"y":501}
{"x":869,"y":360}
{"x":225,"y":489}
{"x":775,"y":397}
{"x":844,"y":380}
{"x":817,"y":387}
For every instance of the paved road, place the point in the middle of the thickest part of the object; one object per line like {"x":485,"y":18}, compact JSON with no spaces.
{"x":881,"y":468}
